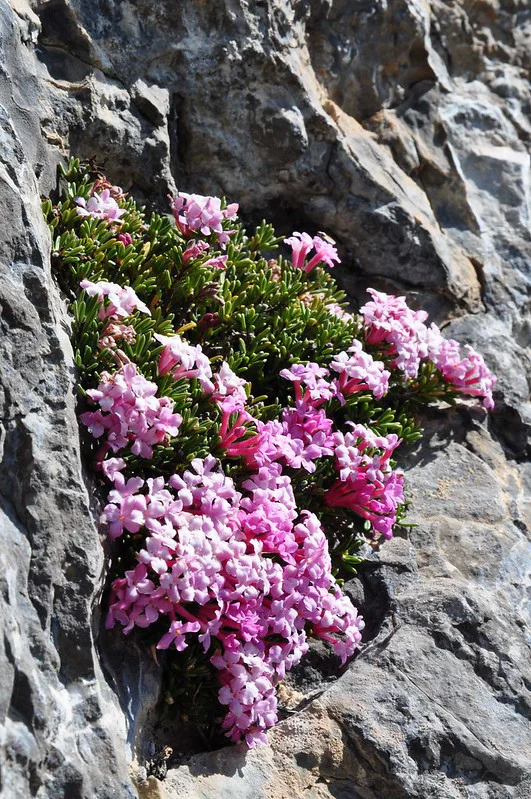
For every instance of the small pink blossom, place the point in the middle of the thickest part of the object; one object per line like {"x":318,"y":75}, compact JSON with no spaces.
{"x":176,"y":635}
{"x":111,"y":467}
{"x":131,"y":413}
{"x":228,"y":384}
{"x":100,"y":206}
{"x":469,"y":375}
{"x":114,"y":332}
{"x":195,"y":249}
{"x":389,"y":321}
{"x":335,"y":309}
{"x":218,"y":262}
{"x":317,"y":389}
{"x":194,"y":212}
{"x":184,"y":360}
{"x":359,"y":371}
{"x":123,"y":301}
{"x":302,"y":243}
{"x":367,"y":484}
{"x":309,"y":432}
{"x":129,"y":514}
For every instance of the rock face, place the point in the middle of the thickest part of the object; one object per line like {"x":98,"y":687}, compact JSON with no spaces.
{"x":401,"y":127}
{"x":59,"y":727}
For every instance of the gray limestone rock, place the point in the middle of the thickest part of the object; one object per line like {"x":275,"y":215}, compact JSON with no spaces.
{"x":62,"y":731}
{"x":401,"y":127}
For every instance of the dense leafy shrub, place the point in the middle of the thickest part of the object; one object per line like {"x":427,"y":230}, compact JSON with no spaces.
{"x":244,"y":425}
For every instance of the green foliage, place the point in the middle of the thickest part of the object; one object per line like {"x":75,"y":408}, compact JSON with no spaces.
{"x":259,"y":314}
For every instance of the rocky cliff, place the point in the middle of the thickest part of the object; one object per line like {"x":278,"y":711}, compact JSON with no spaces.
{"x":401,"y":127}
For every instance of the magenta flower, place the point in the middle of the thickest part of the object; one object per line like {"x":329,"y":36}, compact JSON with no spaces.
{"x":113,"y":332}
{"x":246,"y":570}
{"x":194,"y":212}
{"x":335,"y":309}
{"x":131,"y":413}
{"x":309,"y":431}
{"x":195,"y":249}
{"x":389,"y":321}
{"x":374,"y":500}
{"x":218,"y":262}
{"x":317,"y":389}
{"x":112,"y":467}
{"x":176,"y":635}
{"x":125,"y":511}
{"x":469,"y":375}
{"x":359,"y":371}
{"x":184,"y":360}
{"x":302,"y":243}
{"x":228,"y":384}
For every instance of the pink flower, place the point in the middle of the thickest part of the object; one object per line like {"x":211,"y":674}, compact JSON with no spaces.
{"x":114,"y":332}
{"x":335,"y":309}
{"x":126,"y":510}
{"x":100,"y":206}
{"x":309,"y":432}
{"x":194,"y":212}
{"x":126,"y":239}
{"x":317,"y":389}
{"x":184,"y":360}
{"x":469,"y":375}
{"x":389,"y":320}
{"x":234,"y":436}
{"x":176,"y":635}
{"x":218,"y":262}
{"x":237,"y":569}
{"x":376,"y":501}
{"x":194,"y":250}
{"x":367,"y":484}
{"x":131,"y":413}
{"x":122,"y":301}
{"x":358,"y":371}
{"x":302,"y":243}
{"x":228,"y":384}
{"x":112,"y":467}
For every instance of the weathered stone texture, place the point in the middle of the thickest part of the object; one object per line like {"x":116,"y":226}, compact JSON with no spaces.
{"x":62,"y":732}
{"x":402,"y":128}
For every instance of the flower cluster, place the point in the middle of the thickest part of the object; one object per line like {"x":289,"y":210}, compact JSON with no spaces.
{"x":197,"y":214}
{"x":367,"y":483}
{"x":183,"y":360}
{"x":123,"y":301}
{"x":302,"y":243}
{"x":469,"y":375}
{"x":100,"y":206}
{"x":130,"y":413}
{"x":243,"y":570}
{"x":407,"y":341}
{"x":359,"y":371}
{"x":269,"y":426}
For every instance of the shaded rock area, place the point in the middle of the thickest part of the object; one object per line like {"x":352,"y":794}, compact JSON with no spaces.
{"x":402,"y":128}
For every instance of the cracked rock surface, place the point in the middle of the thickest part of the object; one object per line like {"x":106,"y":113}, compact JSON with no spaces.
{"x":402,"y":128}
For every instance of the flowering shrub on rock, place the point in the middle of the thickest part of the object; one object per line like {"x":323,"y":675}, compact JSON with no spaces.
{"x":244,"y":424}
